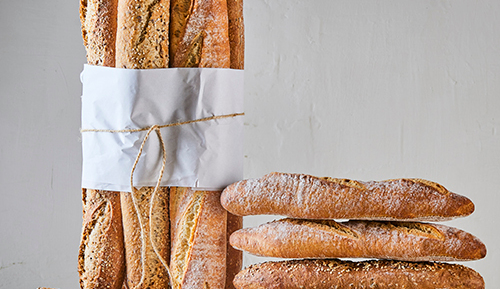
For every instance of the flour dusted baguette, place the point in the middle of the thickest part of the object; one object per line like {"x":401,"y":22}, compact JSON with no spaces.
{"x":98,"y":20}
{"x":408,"y":241}
{"x":308,"y":197}
{"x":101,"y":261}
{"x":236,"y":32}
{"x":198,"y":222}
{"x":142,"y":38}
{"x":146,"y":230}
{"x":326,"y":274}
{"x":199,"y":38}
{"x":199,"y":34}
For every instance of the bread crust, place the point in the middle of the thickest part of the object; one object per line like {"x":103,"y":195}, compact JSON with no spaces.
{"x":98,"y":21}
{"x":199,"y":34}
{"x":146,"y":231}
{"x":142,"y":37}
{"x":236,"y":31}
{"x":198,"y":258}
{"x":309,"y":197}
{"x":408,"y":241}
{"x":100,"y":260}
{"x":234,"y":257}
{"x":334,"y":273}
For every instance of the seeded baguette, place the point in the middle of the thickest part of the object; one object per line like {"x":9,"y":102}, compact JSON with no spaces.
{"x":198,"y":226}
{"x":308,"y":197}
{"x":142,"y":43}
{"x":407,"y":241}
{"x":100,"y":260}
{"x":142,"y":37}
{"x":98,"y":21}
{"x":334,"y":273}
{"x":146,"y":230}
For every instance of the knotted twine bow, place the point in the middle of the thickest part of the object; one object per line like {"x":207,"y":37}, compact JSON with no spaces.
{"x":149,"y":130}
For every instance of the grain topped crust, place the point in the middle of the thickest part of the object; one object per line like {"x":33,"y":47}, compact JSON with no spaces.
{"x":408,"y":241}
{"x":334,"y":273}
{"x":142,"y":37}
{"x":98,"y":21}
{"x":146,"y":230}
{"x":309,"y":197}
{"x":101,"y":261}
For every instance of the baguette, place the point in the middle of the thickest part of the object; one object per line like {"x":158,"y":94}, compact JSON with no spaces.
{"x":98,"y":20}
{"x":142,"y":37}
{"x":334,"y":273}
{"x":100,"y":260}
{"x":236,"y":32}
{"x":408,"y":241}
{"x":199,"y":38}
{"x":146,"y":231}
{"x":234,"y":257}
{"x":199,"y":34}
{"x":198,"y":226}
{"x":142,"y":43}
{"x":308,"y":197}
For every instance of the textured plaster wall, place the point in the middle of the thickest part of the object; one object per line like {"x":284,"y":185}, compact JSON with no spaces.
{"x":359,"y":89}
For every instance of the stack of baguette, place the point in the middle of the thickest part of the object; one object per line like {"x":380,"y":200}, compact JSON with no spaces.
{"x":388,"y":225}
{"x":174,"y":237}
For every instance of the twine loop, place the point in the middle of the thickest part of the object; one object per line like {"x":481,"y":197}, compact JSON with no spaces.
{"x":149,"y":130}
{"x":157,"y":128}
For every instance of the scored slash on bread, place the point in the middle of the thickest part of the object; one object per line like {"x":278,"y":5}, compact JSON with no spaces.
{"x":198,"y":225}
{"x":333,"y":273}
{"x":199,"y":34}
{"x":408,"y":241}
{"x":309,"y":197}
{"x":146,"y":231}
{"x":102,"y":218}
{"x":142,"y":35}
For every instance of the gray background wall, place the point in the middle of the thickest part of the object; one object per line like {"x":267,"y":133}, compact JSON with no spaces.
{"x":360,"y":89}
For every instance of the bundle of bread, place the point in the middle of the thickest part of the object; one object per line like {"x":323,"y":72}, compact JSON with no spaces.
{"x":174,"y":237}
{"x":386,"y":223}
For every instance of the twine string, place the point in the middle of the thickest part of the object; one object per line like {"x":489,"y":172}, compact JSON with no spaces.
{"x":215,"y":117}
{"x":150,"y":129}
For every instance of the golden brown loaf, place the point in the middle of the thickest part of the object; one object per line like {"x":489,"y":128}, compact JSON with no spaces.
{"x":333,"y":273}
{"x":236,"y":33}
{"x":408,"y":241}
{"x":198,"y":258}
{"x":142,"y":43}
{"x":101,"y":258}
{"x":101,"y":261}
{"x":98,"y":20}
{"x":146,"y":231}
{"x":199,"y":34}
{"x":309,"y":197}
{"x":142,"y":35}
{"x":234,"y":257}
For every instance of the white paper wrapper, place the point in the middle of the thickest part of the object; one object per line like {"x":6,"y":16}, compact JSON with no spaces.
{"x":205,"y":155}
